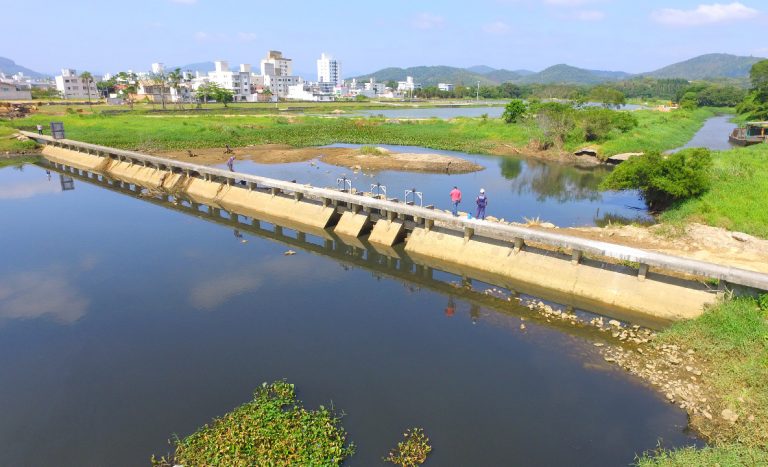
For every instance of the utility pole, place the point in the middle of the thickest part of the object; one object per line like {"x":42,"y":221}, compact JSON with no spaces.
{"x":478,"y":92}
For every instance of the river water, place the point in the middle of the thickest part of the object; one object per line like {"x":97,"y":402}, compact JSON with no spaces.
{"x":565,"y":195}
{"x":450,"y":112}
{"x":123,"y":321}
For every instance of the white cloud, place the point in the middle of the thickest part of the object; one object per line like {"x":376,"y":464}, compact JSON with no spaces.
{"x":498,"y":28}
{"x":246,"y":36}
{"x":35,"y":294}
{"x":704,"y":14}
{"x":590,"y":15}
{"x":427,"y":21}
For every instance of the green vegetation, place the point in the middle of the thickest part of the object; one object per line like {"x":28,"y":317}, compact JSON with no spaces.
{"x":9,"y":143}
{"x":273,"y":429}
{"x":412,"y":451}
{"x":372,"y":150}
{"x":663,"y":179}
{"x":514,"y":111}
{"x":755,"y":104}
{"x":737,"y":196}
{"x":732,"y":340}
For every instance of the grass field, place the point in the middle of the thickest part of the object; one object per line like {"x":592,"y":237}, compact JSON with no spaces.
{"x":737,"y":198}
{"x":732,"y":341}
{"x":147,"y":131}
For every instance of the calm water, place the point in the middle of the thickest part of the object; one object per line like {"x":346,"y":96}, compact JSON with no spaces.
{"x":122,"y":322}
{"x":565,"y":195}
{"x":713,"y":135}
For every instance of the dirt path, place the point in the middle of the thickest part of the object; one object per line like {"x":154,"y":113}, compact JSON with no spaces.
{"x":346,"y":157}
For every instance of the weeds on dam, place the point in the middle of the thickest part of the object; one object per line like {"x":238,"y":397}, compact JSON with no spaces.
{"x":272,"y":429}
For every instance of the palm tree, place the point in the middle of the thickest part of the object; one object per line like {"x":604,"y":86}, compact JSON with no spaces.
{"x":175,"y":78}
{"x":87,"y":78}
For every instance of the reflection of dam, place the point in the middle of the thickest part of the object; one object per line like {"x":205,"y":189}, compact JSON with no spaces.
{"x":394,"y":262}
{"x":595,"y":274}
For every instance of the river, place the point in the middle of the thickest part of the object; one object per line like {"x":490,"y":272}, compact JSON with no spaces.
{"x":123,"y":322}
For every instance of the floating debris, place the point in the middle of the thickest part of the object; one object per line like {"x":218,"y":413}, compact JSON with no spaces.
{"x":289,"y":253}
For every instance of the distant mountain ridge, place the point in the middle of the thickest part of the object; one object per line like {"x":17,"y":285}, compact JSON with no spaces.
{"x":709,"y":66}
{"x":9,"y":67}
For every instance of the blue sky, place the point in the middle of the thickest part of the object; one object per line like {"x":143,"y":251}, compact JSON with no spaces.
{"x":627,"y":35}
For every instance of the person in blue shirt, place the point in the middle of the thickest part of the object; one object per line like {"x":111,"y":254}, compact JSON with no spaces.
{"x":482,"y":202}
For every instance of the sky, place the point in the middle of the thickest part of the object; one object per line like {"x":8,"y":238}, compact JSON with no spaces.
{"x":626,"y":35}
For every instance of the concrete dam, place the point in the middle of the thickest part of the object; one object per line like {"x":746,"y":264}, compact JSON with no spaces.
{"x":632,"y":284}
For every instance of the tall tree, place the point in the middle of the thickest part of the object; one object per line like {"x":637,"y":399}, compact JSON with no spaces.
{"x":175,"y":78}
{"x":160,"y":79}
{"x":87,"y":79}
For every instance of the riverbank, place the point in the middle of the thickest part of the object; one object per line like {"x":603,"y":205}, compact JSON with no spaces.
{"x":152,"y":133}
{"x":367,"y":159}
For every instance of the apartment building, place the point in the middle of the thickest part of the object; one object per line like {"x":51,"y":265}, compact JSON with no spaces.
{"x":328,"y":70}
{"x":71,"y":86}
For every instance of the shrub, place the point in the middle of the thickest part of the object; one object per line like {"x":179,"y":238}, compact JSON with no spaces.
{"x":412,"y":451}
{"x":555,"y":121}
{"x":597,"y":123}
{"x":662,"y":179}
{"x":514,"y":111}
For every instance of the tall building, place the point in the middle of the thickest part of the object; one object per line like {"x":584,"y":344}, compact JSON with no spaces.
{"x":71,"y":86}
{"x":276,"y":65}
{"x":328,"y":70}
{"x":277,"y":72}
{"x":239,"y":82}
{"x":158,"y":68}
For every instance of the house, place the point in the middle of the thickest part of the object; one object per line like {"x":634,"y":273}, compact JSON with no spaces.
{"x":12,"y":91}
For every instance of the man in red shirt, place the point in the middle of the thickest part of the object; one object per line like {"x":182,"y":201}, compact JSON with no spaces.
{"x":455,"y":200}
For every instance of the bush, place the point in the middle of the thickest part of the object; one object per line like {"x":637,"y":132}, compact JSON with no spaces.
{"x":514,"y":111}
{"x":555,"y":121}
{"x":597,"y":123}
{"x":661,"y":179}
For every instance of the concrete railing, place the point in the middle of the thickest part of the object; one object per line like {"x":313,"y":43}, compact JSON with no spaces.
{"x":516,"y":235}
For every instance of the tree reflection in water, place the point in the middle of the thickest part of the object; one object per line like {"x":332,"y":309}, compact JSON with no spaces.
{"x":552,"y":181}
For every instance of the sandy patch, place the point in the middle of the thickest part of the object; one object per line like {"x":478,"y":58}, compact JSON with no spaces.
{"x":345,"y":157}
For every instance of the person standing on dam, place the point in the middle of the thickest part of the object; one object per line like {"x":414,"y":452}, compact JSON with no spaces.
{"x":39,"y":129}
{"x":231,"y":163}
{"x":482,"y":202}
{"x":455,"y":200}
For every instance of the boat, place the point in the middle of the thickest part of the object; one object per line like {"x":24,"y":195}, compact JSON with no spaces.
{"x":751,"y":133}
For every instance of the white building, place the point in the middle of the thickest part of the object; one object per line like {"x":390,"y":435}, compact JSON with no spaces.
{"x":445,"y":87}
{"x":377,"y":88}
{"x":277,"y":73}
{"x":71,"y":86}
{"x":310,"y":92}
{"x":158,"y":68}
{"x":239,"y":82}
{"x":11,"y":91}
{"x":408,"y":84}
{"x":329,"y":70}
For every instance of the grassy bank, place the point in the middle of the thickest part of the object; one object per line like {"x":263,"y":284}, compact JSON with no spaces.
{"x":659,"y":131}
{"x":737,"y":197}
{"x":150,"y":132}
{"x":272,"y":429}
{"x":731,"y":342}
{"x":9,"y":144}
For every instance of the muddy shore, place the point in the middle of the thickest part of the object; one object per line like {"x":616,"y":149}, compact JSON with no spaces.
{"x":345,"y":157}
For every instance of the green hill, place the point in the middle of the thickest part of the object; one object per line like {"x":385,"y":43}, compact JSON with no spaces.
{"x":430,"y":75}
{"x":710,"y":66}
{"x":559,"y":74}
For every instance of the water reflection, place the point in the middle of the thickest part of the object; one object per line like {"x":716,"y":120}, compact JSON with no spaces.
{"x":558,"y":182}
{"x":49,"y":293}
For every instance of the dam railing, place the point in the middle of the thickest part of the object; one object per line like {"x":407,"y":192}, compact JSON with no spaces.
{"x":519,"y":236}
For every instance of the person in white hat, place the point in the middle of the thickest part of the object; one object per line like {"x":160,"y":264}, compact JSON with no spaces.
{"x":482,"y":202}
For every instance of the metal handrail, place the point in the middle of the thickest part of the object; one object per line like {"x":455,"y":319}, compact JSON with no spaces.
{"x":504,"y":232}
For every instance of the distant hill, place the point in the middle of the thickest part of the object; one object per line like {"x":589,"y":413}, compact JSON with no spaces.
{"x":710,"y":66}
{"x":430,"y":75}
{"x":481,"y":69}
{"x":560,"y":74}
{"x":9,"y":67}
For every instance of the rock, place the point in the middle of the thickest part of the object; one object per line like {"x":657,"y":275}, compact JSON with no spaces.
{"x":598,"y":344}
{"x":729,"y":415}
{"x":522,"y":327}
{"x":706,"y":414}
{"x":741,"y":236}
{"x":609,"y":359}
{"x":614,"y":323}
{"x":289,"y":253}
{"x":586,"y":152}
{"x":548,"y":225}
